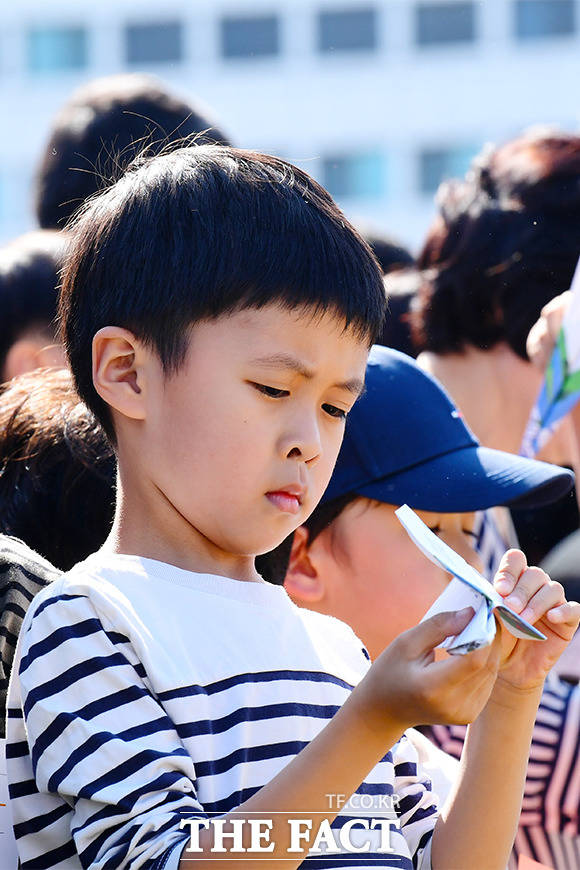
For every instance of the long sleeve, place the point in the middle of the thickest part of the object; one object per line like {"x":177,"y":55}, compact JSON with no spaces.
{"x":107,"y":760}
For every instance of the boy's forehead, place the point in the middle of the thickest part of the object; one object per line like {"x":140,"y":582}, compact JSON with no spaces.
{"x":299,"y":341}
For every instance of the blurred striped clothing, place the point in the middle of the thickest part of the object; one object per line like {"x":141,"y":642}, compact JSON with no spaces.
{"x":549,"y":824}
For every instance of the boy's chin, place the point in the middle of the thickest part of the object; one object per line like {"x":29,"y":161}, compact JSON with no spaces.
{"x":276,"y":538}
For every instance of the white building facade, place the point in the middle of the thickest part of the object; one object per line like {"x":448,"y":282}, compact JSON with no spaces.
{"x":378,"y":99}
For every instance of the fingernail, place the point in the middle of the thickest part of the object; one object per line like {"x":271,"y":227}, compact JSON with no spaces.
{"x":555,"y":615}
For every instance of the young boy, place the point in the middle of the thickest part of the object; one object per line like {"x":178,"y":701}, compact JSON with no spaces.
{"x":354,"y":560}
{"x":230,"y":308}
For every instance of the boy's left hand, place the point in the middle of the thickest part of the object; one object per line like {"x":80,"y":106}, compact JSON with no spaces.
{"x":542,"y":602}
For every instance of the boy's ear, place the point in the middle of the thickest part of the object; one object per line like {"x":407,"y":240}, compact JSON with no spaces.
{"x":303,"y":582}
{"x":119,"y":370}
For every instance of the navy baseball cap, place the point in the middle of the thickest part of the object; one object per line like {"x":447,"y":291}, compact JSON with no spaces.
{"x":406,"y":443}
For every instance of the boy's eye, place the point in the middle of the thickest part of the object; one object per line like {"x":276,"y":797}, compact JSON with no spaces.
{"x":435,"y":529}
{"x":333,"y":411}
{"x":272,"y":392}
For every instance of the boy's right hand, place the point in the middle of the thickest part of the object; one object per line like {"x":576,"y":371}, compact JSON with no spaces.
{"x":408,"y":686}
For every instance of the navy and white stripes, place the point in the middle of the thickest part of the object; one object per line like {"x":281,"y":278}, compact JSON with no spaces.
{"x":549,"y":828}
{"x":143,"y":694}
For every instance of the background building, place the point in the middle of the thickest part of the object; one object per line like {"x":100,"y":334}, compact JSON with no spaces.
{"x":379,"y":99}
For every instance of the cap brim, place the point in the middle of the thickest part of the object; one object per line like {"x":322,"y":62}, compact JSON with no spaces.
{"x":471,"y":479}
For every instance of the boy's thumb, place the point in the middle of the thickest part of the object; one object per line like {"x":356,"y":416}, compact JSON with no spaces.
{"x":433,"y":631}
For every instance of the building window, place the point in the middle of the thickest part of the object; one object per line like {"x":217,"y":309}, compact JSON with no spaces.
{"x":444,"y":23}
{"x":347,"y":30}
{"x":538,"y":19}
{"x":161,"y":42}
{"x":56,"y":48}
{"x":438,"y":164}
{"x":250,"y":36}
{"x":348,"y":176}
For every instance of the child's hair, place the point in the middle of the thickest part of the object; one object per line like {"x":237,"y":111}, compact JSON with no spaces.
{"x":29,"y":268}
{"x":57,"y":470}
{"x":104,"y":125}
{"x":390,"y":253}
{"x":204,"y":231}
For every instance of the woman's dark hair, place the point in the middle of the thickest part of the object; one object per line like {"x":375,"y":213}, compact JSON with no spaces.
{"x":29,"y":267}
{"x":274,"y":565}
{"x":102,"y":128}
{"x":204,"y":231}
{"x":506,"y":241}
{"x":57,"y":470}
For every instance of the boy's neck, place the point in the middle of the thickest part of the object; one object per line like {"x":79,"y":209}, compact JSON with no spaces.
{"x":145,"y":527}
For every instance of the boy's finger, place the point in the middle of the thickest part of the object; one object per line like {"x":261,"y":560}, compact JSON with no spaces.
{"x":528,"y":585}
{"x":512,"y":565}
{"x":567,"y":614}
{"x":429,"y":634}
{"x":548,"y":596}
{"x":471,"y":668}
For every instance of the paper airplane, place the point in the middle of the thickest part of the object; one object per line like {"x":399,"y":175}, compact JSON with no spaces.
{"x":467,"y":589}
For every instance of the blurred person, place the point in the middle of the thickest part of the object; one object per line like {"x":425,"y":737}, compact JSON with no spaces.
{"x":398,"y":266}
{"x":391,"y":254}
{"x":56,"y":468}
{"x":104,"y":125}
{"x":56,"y":494}
{"x":504,"y":243}
{"x":352,"y":558}
{"x":563,"y":561}
{"x":29,"y":267}
{"x":401,"y":287}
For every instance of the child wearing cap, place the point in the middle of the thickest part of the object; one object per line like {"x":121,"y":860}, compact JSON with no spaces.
{"x":406,"y":443}
{"x":217,"y":311}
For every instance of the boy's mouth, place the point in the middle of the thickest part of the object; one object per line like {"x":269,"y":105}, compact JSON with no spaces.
{"x":288,"y":500}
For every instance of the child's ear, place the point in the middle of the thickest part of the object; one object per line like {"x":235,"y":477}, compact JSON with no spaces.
{"x":22,"y":357}
{"x":32,"y":352}
{"x":303,"y":582}
{"x":119,"y":367}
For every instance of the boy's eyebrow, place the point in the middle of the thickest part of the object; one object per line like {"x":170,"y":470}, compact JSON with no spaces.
{"x":287,"y":361}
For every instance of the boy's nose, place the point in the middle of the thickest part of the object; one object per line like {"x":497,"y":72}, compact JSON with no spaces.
{"x":304,"y":444}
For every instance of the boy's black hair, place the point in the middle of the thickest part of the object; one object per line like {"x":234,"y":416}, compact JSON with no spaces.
{"x":101,"y":128}
{"x":29,"y":268}
{"x":204,"y":231}
{"x":505,"y":242}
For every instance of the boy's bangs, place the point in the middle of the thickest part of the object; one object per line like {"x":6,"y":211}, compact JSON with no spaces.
{"x":206,"y":231}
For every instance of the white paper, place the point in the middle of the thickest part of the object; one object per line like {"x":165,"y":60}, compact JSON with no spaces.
{"x":467,"y":589}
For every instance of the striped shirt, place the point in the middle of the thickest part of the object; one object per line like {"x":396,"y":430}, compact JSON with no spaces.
{"x":143,"y":694}
{"x":23,"y":573}
{"x":549,"y":823}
